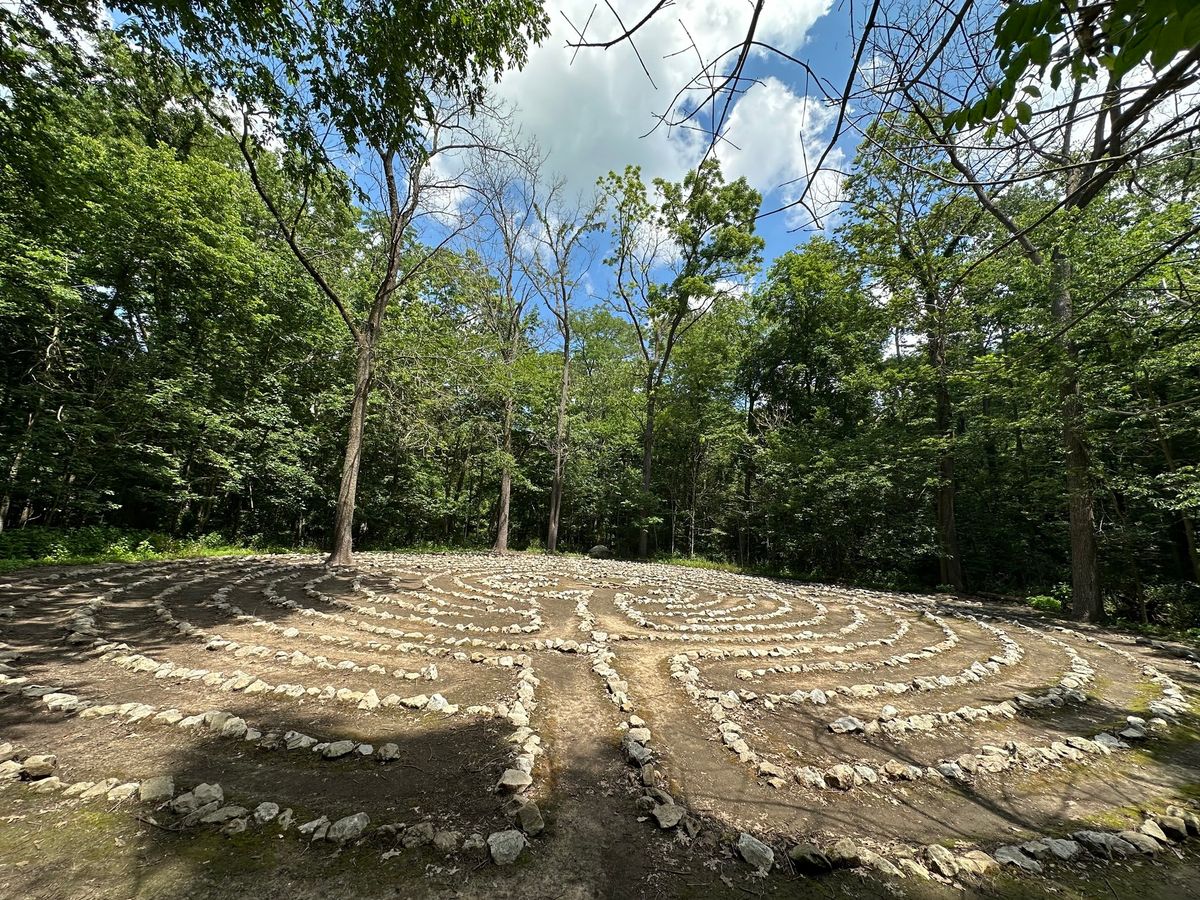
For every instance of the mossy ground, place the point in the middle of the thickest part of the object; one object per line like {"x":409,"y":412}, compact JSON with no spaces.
{"x":64,"y":850}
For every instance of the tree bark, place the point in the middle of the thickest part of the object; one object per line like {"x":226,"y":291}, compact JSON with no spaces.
{"x":647,"y":458}
{"x":343,"y":521}
{"x":501,"y":545}
{"x":949,"y":557}
{"x":560,"y":447}
{"x":1086,"y":602}
{"x":744,"y":544}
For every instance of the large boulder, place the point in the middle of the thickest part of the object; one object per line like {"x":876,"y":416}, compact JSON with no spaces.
{"x":600,"y":552}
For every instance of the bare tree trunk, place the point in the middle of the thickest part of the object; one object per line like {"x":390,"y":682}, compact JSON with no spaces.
{"x":744,"y":545}
{"x":951,"y":560}
{"x":560,"y":447}
{"x":1086,"y":602}
{"x":949,"y":557}
{"x":647,"y":459}
{"x":501,"y":545}
{"x":343,"y":522}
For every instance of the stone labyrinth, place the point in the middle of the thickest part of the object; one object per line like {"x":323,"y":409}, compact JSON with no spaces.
{"x":439,"y":702}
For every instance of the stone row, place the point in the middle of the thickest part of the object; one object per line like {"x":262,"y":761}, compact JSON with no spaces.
{"x":206,"y":805}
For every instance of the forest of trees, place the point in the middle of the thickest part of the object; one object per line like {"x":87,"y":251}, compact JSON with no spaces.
{"x":987,"y":382}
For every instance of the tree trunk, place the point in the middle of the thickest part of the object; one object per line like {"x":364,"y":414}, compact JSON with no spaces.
{"x":951,"y":560}
{"x":501,"y":545}
{"x":10,"y":485}
{"x":949,"y":557}
{"x":647,"y":458}
{"x":1189,"y":527}
{"x":744,"y":545}
{"x":1086,"y":602}
{"x":343,"y":522}
{"x":560,"y":447}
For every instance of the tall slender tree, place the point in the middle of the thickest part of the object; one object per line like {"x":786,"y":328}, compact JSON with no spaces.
{"x":381,"y":94}
{"x":672,"y":258}
{"x":559,"y":265}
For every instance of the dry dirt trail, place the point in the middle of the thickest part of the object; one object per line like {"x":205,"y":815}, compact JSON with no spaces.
{"x":469,"y":726}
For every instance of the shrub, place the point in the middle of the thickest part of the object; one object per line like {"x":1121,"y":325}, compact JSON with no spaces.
{"x":1045,"y":603}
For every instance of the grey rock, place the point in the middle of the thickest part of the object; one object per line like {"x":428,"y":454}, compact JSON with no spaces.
{"x":809,"y":859}
{"x":755,"y":852}
{"x":1142,"y":842}
{"x":1064,"y":849}
{"x":913,"y":868}
{"x":1103,"y":844}
{"x":514,"y":781}
{"x":810,"y":777}
{"x":1151,"y":829}
{"x":840,"y":776}
{"x":638,"y":754}
{"x":40,"y":766}
{"x":1172,"y":826}
{"x":977,"y":863}
{"x":153,"y":790}
{"x":446,"y":841}
{"x":641,"y":735}
{"x":506,"y":846}
{"x":338,"y":749}
{"x":350,"y":828}
{"x":845,"y":725}
{"x":668,"y":815}
{"x":223,"y":814}
{"x":871,"y":860}
{"x":417,"y":835}
{"x":1015,"y":856}
{"x":530,"y":819}
{"x":265,"y":812}
{"x":123,"y":792}
{"x":208,"y":793}
{"x":941,"y":860}
{"x":316,"y":829}
{"x":844,"y":854}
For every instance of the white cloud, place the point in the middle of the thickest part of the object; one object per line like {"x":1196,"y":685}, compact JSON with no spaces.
{"x":589,"y":115}
{"x":776,"y":137}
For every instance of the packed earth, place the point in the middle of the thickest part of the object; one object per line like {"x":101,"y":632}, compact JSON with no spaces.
{"x":480,"y":725}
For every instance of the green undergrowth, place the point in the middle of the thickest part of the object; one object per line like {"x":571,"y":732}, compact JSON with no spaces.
{"x":24,"y":548}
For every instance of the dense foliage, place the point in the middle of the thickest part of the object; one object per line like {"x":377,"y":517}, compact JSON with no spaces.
{"x":167,"y":365}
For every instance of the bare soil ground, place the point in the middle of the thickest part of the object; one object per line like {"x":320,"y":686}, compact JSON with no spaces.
{"x":442,"y":673}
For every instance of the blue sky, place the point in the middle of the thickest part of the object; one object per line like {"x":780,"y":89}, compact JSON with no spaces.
{"x":589,"y":115}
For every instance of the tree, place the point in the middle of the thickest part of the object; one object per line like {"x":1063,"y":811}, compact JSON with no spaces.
{"x":699,"y":238}
{"x":1080,"y":143}
{"x":506,"y":170}
{"x":559,"y":266}
{"x":913,"y":234}
{"x":384,"y":90}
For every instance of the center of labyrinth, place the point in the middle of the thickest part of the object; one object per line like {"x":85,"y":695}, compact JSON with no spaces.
{"x":501,"y":706}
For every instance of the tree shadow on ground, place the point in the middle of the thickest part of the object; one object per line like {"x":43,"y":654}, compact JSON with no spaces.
{"x":445,"y":773}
